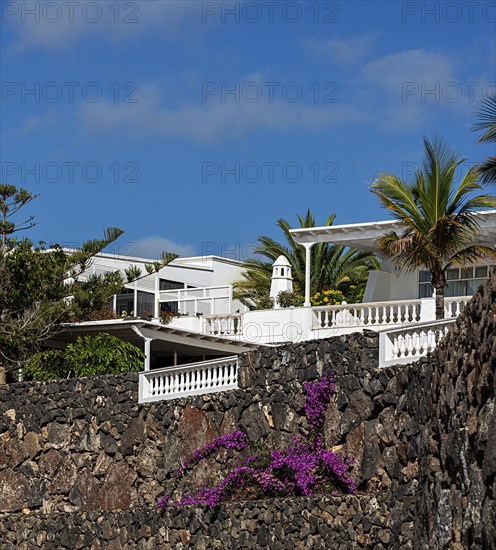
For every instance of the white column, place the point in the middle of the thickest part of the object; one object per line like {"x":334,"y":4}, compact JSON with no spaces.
{"x":147,"y":353}
{"x":156,"y":313}
{"x":307,"y":246}
{"x":114,"y":303}
{"x":427,"y":309}
{"x":135,"y":309}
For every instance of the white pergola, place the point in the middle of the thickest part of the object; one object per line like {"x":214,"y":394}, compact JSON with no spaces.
{"x":363,"y":236}
{"x":167,"y":339}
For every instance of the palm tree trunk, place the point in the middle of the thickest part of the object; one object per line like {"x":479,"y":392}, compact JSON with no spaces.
{"x":439,"y":283}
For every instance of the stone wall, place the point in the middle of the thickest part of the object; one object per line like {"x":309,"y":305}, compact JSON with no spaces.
{"x":87,"y":445}
{"x":422,"y":436}
{"x":344,"y":523}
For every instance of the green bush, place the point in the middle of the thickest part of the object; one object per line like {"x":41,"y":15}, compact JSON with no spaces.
{"x":89,"y":356}
{"x":265,"y":302}
{"x":103,"y":354}
{"x":46,"y":365}
{"x":286,"y":298}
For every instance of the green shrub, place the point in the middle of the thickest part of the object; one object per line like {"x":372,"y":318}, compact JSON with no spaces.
{"x":103,"y":354}
{"x":89,"y":356}
{"x":327,"y":298}
{"x":46,"y":365}
{"x":286,"y":298}
{"x":265,"y":302}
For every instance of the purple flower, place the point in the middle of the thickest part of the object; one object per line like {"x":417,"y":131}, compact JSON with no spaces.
{"x":318,"y":396}
{"x":305,"y":467}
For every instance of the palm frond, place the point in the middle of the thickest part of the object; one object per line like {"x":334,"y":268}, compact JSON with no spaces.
{"x":486,"y":122}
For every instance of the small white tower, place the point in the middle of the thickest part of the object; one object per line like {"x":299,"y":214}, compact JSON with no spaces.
{"x":281,"y":278}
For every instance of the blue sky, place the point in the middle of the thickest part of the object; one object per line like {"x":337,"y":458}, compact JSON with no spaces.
{"x":195,"y":125}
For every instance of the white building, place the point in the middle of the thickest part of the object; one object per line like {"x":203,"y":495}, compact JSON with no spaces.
{"x":397,"y":304}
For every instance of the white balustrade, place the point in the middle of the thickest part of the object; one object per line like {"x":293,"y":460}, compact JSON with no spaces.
{"x":207,"y":300}
{"x":192,"y":379}
{"x":454,"y":306}
{"x":223,"y":325}
{"x":408,"y":344}
{"x":367,"y":315}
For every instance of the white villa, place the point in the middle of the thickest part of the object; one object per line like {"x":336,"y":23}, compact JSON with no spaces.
{"x":196,"y":352}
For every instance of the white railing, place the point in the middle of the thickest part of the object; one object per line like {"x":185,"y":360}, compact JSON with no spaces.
{"x":192,"y":379}
{"x":408,"y":344}
{"x":454,"y":306}
{"x":205,"y":300}
{"x":372,"y":314}
{"x":223,"y":325}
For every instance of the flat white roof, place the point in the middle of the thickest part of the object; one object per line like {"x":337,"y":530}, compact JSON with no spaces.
{"x":166,"y":337}
{"x":364,"y":235}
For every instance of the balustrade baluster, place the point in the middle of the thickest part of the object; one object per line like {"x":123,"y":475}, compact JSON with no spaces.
{"x":415,"y":343}
{"x":409,"y":345}
{"x":396,"y":348}
{"x":432,"y":340}
{"x":423,"y":343}
{"x":387,"y":315}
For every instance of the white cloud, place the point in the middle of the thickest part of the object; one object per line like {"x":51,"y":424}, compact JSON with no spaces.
{"x":152,"y":246}
{"x":58,"y":26}
{"x":33,"y":123}
{"x":211,"y":120}
{"x":409,"y":86}
{"x":344,"y":51}
{"x":420,"y":67}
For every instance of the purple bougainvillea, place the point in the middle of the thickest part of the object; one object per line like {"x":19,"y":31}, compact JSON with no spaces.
{"x":305,"y":467}
{"x":318,"y":397}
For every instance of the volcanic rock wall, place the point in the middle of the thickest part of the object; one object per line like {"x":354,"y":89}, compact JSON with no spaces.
{"x":423,"y":436}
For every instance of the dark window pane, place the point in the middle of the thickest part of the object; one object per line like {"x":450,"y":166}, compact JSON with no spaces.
{"x":424,"y":276}
{"x":481,"y":271}
{"x":452,"y":274}
{"x":425,"y":290}
{"x":170,"y":285}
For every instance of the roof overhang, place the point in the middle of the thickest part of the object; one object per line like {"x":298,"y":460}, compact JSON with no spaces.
{"x":364,"y":235}
{"x":166,"y":339}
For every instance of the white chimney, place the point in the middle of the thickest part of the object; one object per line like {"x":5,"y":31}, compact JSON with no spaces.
{"x":281,"y":278}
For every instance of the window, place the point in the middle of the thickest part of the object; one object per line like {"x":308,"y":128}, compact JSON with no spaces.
{"x":461,"y":281}
{"x":170,"y":285}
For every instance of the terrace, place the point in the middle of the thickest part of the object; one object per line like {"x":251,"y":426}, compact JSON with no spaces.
{"x":211,"y":328}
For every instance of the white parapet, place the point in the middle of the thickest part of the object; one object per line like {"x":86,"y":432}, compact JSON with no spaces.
{"x":409,"y":344}
{"x":367,"y":315}
{"x":191,"y":379}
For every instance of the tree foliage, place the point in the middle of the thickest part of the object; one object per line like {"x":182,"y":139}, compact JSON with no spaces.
{"x":42,"y":287}
{"x":89,"y":356}
{"x":486,"y":124}
{"x":438,"y":215}
{"x":332,"y":266}
{"x":12,"y":200}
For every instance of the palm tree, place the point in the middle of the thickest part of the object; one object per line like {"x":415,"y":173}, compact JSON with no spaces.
{"x":332,"y":266}
{"x":438,"y":216}
{"x":487,"y":124}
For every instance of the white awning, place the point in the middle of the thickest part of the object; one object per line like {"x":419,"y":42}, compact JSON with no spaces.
{"x":364,"y":235}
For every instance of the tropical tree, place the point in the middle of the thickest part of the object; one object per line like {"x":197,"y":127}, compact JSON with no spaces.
{"x":438,"y":215}
{"x":332,"y":266}
{"x":486,"y":123}
{"x":12,"y":200}
{"x":41,"y":287}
